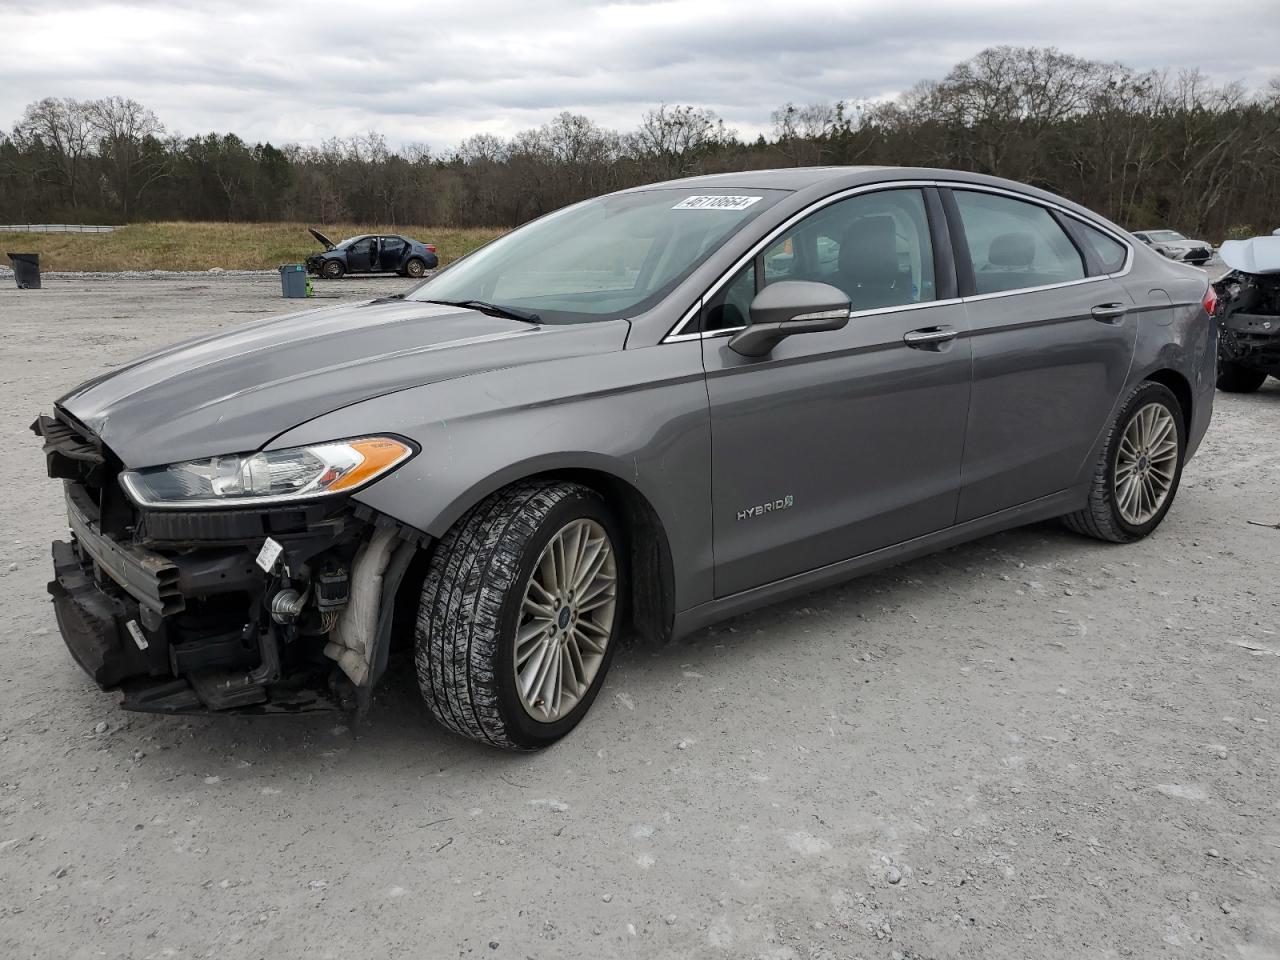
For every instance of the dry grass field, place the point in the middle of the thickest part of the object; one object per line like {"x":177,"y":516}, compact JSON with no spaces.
{"x":202,"y":246}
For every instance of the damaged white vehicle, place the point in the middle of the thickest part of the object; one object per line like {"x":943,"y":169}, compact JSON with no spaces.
{"x":1248,"y":314}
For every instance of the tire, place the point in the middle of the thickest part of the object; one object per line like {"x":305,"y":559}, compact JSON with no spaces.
{"x":332,"y":270}
{"x":1105,"y":517}
{"x":474,"y":603}
{"x":1236,"y":378}
{"x":415,"y":268}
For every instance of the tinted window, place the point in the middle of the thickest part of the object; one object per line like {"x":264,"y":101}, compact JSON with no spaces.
{"x":1111,"y":253}
{"x":731,"y":306}
{"x":393,"y":248}
{"x":873,"y":246}
{"x":1014,"y":244}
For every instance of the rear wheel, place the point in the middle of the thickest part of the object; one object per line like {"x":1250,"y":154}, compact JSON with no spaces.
{"x":520,"y":613}
{"x":1137,"y":473}
{"x":1237,"y":378}
{"x":415,"y":268}
{"x":333,"y":270}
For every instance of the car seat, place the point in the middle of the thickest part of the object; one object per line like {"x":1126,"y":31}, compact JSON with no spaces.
{"x":867,"y":268}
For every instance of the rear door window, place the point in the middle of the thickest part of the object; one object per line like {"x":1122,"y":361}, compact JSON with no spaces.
{"x":1014,"y":244}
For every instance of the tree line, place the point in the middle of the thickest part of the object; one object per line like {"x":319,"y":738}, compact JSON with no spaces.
{"x":1143,"y":148}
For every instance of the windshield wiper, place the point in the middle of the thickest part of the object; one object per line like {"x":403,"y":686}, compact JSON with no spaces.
{"x":495,"y":309}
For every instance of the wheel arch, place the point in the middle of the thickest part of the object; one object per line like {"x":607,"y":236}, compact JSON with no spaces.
{"x":1180,"y":387}
{"x":650,"y":609}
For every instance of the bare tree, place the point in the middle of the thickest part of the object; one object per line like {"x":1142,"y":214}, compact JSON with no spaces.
{"x":63,"y":128}
{"x":128,"y":136}
{"x":671,"y":139}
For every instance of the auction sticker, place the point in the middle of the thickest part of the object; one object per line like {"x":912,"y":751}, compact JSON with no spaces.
{"x":718,"y":202}
{"x":139,"y":637}
{"x":269,"y":554}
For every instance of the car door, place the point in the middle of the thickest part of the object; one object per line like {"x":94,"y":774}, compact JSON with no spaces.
{"x":839,"y":443}
{"x":392,"y":253}
{"x":1052,"y":343}
{"x":360,"y":255}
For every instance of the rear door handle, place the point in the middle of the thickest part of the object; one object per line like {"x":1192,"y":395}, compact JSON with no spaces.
{"x":927,"y":337}
{"x":1109,"y":312}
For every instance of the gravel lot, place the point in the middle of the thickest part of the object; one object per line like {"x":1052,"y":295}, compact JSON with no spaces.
{"x":1031,"y":746}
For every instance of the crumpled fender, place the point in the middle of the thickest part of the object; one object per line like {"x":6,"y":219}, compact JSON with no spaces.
{"x":351,"y":642}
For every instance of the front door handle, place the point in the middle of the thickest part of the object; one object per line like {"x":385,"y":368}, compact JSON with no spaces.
{"x":1109,"y":312}
{"x":929,"y":337}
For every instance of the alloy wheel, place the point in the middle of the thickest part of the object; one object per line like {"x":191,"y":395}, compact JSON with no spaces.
{"x":566,"y":620}
{"x":1146,"y":463}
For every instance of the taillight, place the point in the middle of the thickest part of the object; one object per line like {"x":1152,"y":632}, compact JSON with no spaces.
{"x":431,"y":248}
{"x":1210,"y":300}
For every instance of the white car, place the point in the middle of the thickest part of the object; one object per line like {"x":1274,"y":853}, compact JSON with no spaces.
{"x":1175,"y":246}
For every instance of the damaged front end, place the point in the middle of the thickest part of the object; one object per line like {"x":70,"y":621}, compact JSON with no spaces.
{"x":1248,"y":309}
{"x":285,"y":607}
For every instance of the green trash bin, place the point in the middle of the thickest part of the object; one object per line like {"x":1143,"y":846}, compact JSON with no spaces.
{"x":293,"y":280}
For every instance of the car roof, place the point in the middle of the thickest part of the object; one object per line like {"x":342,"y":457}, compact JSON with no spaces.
{"x":821,"y":181}
{"x":786,"y":178}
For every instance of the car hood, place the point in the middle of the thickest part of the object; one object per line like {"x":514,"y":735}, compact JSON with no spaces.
{"x":1180,"y":244}
{"x":1260,"y":255}
{"x":325,"y":241}
{"x":234,"y":391}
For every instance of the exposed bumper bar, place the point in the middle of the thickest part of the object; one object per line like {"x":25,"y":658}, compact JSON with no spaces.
{"x":94,"y":625}
{"x":147,"y":577}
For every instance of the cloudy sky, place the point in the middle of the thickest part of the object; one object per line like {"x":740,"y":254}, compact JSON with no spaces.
{"x":436,"y":72}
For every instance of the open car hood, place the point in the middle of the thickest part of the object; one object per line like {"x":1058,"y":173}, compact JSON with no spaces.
{"x":328,"y":244}
{"x":1256,"y":255}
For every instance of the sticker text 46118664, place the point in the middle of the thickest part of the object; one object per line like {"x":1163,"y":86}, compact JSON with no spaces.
{"x":718,"y":202}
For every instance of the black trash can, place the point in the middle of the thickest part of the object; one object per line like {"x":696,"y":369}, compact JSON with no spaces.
{"x":26,"y":270}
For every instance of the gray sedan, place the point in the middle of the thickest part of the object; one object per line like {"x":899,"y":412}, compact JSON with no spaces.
{"x":635,"y":416}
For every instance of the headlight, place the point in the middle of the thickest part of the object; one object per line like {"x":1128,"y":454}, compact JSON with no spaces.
{"x":273,"y":476}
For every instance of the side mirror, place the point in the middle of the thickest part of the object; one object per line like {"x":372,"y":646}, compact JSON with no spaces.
{"x":789,"y":307}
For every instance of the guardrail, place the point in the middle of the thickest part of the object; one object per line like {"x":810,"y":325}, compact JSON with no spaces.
{"x":53,"y":228}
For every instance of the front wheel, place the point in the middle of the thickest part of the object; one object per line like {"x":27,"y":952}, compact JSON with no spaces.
{"x":1137,"y":473}
{"x":520,"y":613}
{"x":332,"y":270}
{"x":1236,"y":378}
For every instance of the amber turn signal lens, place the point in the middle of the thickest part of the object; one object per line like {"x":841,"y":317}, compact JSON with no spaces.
{"x":379,"y":453}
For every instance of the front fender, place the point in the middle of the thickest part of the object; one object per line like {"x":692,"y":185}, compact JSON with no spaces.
{"x":639,"y":416}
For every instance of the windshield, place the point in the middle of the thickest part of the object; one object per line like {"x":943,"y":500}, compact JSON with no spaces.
{"x":604,"y":259}
{"x":1159,"y":235}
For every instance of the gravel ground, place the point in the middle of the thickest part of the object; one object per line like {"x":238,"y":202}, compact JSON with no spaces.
{"x":1030,"y":746}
